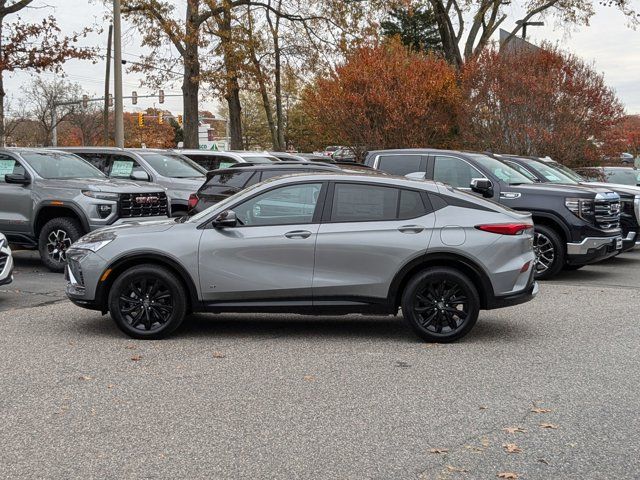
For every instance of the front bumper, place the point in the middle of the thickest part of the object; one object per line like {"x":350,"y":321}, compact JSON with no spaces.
{"x":95,"y":225}
{"x":629,"y":242}
{"x":593,"y":249}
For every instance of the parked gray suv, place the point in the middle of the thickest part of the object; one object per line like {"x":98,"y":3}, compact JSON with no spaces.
{"x":314,"y":243}
{"x":49,"y":199}
{"x":179,"y":175}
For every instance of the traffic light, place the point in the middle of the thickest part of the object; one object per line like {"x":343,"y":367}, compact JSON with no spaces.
{"x":161,"y":96}
{"x":140,"y":119}
{"x":160,"y":118}
{"x":134,"y":97}
{"x":110,"y":100}
{"x":179,"y":119}
{"x":85,"y":101}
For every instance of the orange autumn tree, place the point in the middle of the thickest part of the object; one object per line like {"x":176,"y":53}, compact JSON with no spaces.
{"x":152,"y":134}
{"x":537,"y":102}
{"x":385,"y":96}
{"x":630,"y":134}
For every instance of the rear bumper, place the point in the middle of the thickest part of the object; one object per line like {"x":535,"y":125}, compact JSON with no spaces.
{"x":593,"y":249}
{"x":510,"y":300}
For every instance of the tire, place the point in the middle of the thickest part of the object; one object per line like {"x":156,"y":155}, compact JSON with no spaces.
{"x":572,"y":268}
{"x":428,"y":315}
{"x":549,"y":250}
{"x":147,"y":302}
{"x":55,"y":238}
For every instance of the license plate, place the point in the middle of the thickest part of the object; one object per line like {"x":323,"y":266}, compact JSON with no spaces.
{"x":619,"y":243}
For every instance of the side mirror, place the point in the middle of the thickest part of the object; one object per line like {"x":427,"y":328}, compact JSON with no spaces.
{"x":225,"y":219}
{"x":140,"y":176}
{"x":17,"y":179}
{"x":483,"y":186}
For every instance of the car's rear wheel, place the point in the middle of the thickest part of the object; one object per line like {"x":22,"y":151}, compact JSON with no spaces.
{"x":147,"y":302}
{"x":549,"y":251}
{"x":55,"y":238}
{"x":441,"y":304}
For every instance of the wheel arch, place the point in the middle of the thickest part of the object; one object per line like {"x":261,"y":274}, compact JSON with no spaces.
{"x":442,"y":259}
{"x":551,"y":221}
{"x":48,"y":211}
{"x":121,"y":264}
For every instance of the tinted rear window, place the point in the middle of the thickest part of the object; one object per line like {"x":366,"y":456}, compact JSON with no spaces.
{"x":232,"y":179}
{"x":401,"y":164}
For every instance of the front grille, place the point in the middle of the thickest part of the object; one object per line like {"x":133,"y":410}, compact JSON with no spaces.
{"x":3,"y":261}
{"x":607,"y":214}
{"x":133,"y":205}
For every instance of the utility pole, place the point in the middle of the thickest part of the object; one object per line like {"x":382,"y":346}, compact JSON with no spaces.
{"x":107,"y":78}
{"x":117,"y":74}
{"x":54,"y":125}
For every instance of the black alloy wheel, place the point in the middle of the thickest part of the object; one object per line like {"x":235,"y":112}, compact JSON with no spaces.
{"x":147,"y":302}
{"x":441,"y":304}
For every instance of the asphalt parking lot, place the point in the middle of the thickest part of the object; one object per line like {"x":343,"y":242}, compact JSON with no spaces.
{"x":548,"y":389}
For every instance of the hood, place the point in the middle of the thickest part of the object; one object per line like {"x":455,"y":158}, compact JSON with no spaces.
{"x":111,"y":185}
{"x":554,"y":189}
{"x":619,"y":188}
{"x":132,"y":228}
{"x":190,"y":184}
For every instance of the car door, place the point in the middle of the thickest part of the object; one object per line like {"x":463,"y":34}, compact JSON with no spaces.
{"x":368,"y":233}
{"x":16,"y":204}
{"x":268,"y":257}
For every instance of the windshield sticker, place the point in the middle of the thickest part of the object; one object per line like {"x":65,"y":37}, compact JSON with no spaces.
{"x":6,"y":167}
{"x":121,"y":168}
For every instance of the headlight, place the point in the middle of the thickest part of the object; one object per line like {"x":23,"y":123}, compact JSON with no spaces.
{"x":101,"y":195}
{"x":582,"y":207}
{"x":95,"y":241}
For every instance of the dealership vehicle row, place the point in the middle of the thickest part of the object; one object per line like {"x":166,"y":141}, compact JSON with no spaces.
{"x":153,"y":235}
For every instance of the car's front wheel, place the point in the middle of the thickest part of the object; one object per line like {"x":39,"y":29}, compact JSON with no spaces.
{"x":441,"y":304}
{"x":147,"y":302}
{"x":549,"y":251}
{"x":55,"y":238}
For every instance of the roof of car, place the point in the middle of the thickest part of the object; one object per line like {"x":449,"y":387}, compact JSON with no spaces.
{"x":422,"y":151}
{"x":361,"y":177}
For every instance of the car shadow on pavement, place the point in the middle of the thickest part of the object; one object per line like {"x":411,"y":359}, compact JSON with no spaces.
{"x":229,"y":327}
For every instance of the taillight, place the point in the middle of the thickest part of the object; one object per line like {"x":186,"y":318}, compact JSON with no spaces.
{"x":193,"y":200}
{"x":505,"y":228}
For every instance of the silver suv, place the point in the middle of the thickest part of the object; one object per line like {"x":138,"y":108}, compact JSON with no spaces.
{"x":314,"y":243}
{"x":176,"y":173}
{"x":6,"y":261}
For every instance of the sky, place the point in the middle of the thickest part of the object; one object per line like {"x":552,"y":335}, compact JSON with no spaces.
{"x":608,"y":42}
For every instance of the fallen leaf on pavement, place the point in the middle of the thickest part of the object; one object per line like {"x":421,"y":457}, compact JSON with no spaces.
{"x":542,"y":460}
{"x":136,"y":358}
{"x":309,"y":378}
{"x":540,"y":410}
{"x":482,"y":407}
{"x":131,"y":347}
{"x":218,"y":355}
{"x":485,"y":441}
{"x":508,"y":475}
{"x":512,"y":448}
{"x":456,"y":469}
{"x":85,"y":377}
{"x":438,"y":450}
{"x":548,"y":425}
{"x":514,"y":430}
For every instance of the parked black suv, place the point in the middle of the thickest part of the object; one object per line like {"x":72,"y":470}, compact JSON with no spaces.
{"x":224,"y":182}
{"x":574,"y":225}
{"x":549,"y":171}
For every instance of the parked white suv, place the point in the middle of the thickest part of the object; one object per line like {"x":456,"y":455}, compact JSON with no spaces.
{"x":6,"y":261}
{"x":212,"y":160}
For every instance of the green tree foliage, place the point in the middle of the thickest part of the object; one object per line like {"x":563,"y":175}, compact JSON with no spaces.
{"x":416,"y":26}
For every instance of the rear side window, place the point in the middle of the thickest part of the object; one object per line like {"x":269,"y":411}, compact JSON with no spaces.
{"x":211,"y":162}
{"x":402,"y":164}
{"x":370,"y":203}
{"x":98,"y":160}
{"x":277,"y":173}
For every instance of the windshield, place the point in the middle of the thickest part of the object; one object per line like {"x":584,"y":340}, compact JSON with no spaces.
{"x":521,"y":169}
{"x":567,"y":171}
{"x":553,"y":175}
{"x":52,"y":165}
{"x":259,"y":159}
{"x":623,"y":176}
{"x":501,"y":170}
{"x":173,"y":165}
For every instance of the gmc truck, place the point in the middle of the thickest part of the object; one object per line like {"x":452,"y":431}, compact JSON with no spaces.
{"x":574,"y":225}
{"x":49,"y":199}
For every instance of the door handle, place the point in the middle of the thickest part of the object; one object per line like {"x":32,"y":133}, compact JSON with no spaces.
{"x":298,"y":234}
{"x":411,"y":228}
